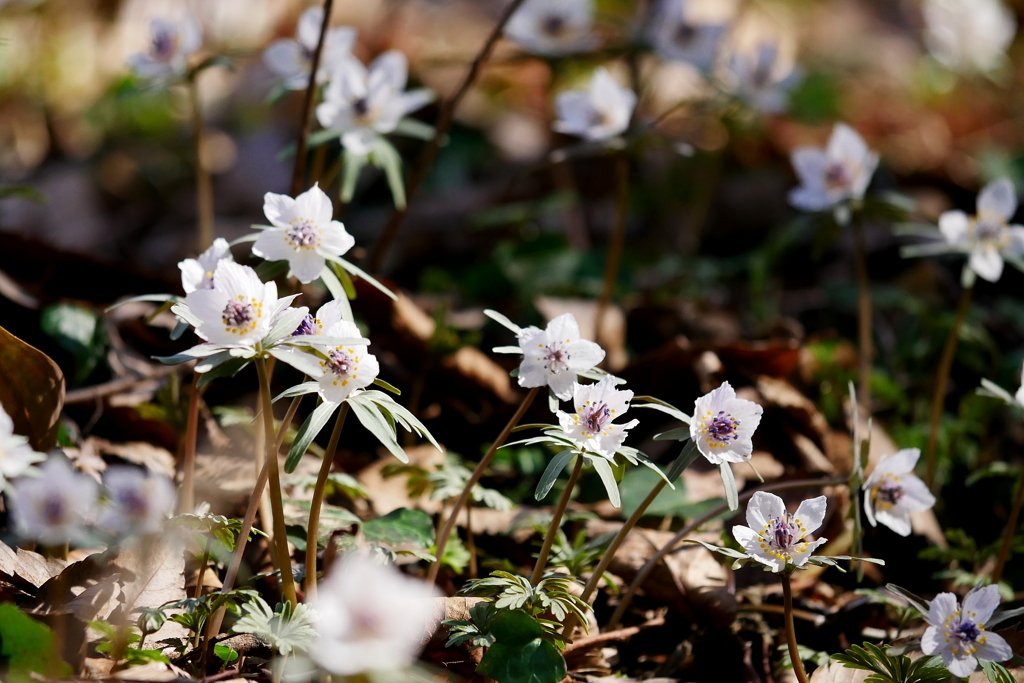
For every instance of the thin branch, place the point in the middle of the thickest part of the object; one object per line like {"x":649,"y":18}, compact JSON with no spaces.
{"x":307,"y":105}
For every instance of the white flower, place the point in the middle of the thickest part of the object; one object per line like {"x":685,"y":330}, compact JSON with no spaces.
{"x":197,"y":273}
{"x":959,"y":636}
{"x":678,"y":37}
{"x":56,"y":506}
{"x":363,"y":104}
{"x":758,"y":81}
{"x":987,"y":236}
{"x":1019,"y":396}
{"x":776,"y":538}
{"x":723,"y":425}
{"x":839,"y":172}
{"x":304,"y":233}
{"x":553,"y":27}
{"x":345,"y":368}
{"x":328,"y":315}
{"x":372,"y":618}
{"x":238,"y":310}
{"x":136,"y":503}
{"x":592,"y":426}
{"x":554,"y":356}
{"x":892,"y":491}
{"x":16,"y":456}
{"x":968,"y":35}
{"x":170,"y":45}
{"x":600,"y":113}
{"x":293,"y":58}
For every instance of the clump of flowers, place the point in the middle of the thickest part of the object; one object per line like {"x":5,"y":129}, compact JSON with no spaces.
{"x":958,"y":634}
{"x":969,"y":35}
{"x":197,"y":273}
{"x":987,"y":236}
{"x":170,"y":45}
{"x":892,"y":492}
{"x":838,"y":173}
{"x":680,"y":36}
{"x":761,"y":79}
{"x":597,"y":114}
{"x":292,"y":58}
{"x":592,"y":426}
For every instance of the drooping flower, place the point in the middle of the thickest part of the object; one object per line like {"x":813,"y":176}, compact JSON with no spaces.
{"x":56,"y":506}
{"x":170,"y":45}
{"x":16,"y":456}
{"x":304,"y":232}
{"x":892,"y":491}
{"x":759,"y":81}
{"x":553,"y":27}
{"x":832,"y":175}
{"x":987,"y":236}
{"x":347,"y":367}
{"x":372,"y":618}
{"x":775,"y":537}
{"x":197,"y":273}
{"x":592,"y":425}
{"x":723,"y":425}
{"x":600,"y":113}
{"x":292,"y":59}
{"x":959,"y":635}
{"x":238,"y":310}
{"x":678,"y":36}
{"x":136,"y":503}
{"x":556,"y":355}
{"x":363,"y":104}
{"x":968,"y":35}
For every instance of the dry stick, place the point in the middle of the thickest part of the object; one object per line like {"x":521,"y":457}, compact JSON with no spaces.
{"x":307,"y":105}
{"x":703,"y":519}
{"x":556,"y":522}
{"x":188,"y":487}
{"x":1011,"y":527}
{"x":274,"y":478}
{"x":380,"y":250}
{"x":865,"y":337}
{"x":941,"y":379}
{"x":204,"y":187}
{"x":794,"y":649}
{"x":611,"y":269}
{"x":313,"y":528}
{"x":446,"y":531}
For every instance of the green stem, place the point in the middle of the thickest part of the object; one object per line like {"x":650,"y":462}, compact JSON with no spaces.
{"x":478,"y":471}
{"x":794,"y":650}
{"x":556,"y":523}
{"x":611,"y":270}
{"x":204,"y":560}
{"x":866,"y":344}
{"x":1011,"y":529}
{"x":313,"y":528}
{"x":941,"y":380}
{"x":188,"y":488}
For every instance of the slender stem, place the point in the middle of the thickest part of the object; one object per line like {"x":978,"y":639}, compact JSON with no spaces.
{"x":307,"y":105}
{"x":642,"y":575}
{"x":471,"y":542}
{"x":941,"y":380}
{"x":1011,"y":528}
{"x":188,"y":487}
{"x":556,"y":523}
{"x":611,"y":269}
{"x":376,"y":258}
{"x":204,"y":560}
{"x":204,"y":186}
{"x":313,"y":528}
{"x":864,"y":333}
{"x":794,"y":650}
{"x":446,"y":531}
{"x":274,"y":478}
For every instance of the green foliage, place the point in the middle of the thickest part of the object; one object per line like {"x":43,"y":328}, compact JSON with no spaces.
{"x":886,"y":668}
{"x":284,"y":629}
{"x":817,"y":657}
{"x":520,"y":653}
{"x":997,"y":673}
{"x":224,"y":653}
{"x":28,"y":647}
{"x":196,"y":611}
{"x":117,"y":644}
{"x":400,"y":526}
{"x":581,"y":555}
{"x":76,"y":329}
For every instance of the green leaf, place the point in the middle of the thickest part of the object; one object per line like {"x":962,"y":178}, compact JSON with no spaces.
{"x":604,"y":470}
{"x":520,"y":655}
{"x":309,"y":430}
{"x":28,"y":647}
{"x":76,"y":330}
{"x":23,"y":191}
{"x":363,"y":275}
{"x":31,"y":391}
{"x":387,"y":387}
{"x":401,"y":526}
{"x":729,"y":481}
{"x":352,"y":166}
{"x":268,"y":270}
{"x":387,"y":157}
{"x":225,"y":653}
{"x":551,"y":472}
{"x":343,"y":279}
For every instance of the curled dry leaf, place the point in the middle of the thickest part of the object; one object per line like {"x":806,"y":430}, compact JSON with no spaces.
{"x":31,"y":391}
{"x":21,"y":567}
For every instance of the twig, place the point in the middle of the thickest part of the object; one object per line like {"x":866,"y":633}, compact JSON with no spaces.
{"x":89,"y":394}
{"x":375,"y":260}
{"x":611,"y":636}
{"x":307,"y":105}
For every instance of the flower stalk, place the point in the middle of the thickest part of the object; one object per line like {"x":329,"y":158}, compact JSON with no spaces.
{"x":307,"y":106}
{"x":794,"y":649}
{"x":313,"y":528}
{"x":1011,"y":528}
{"x":611,"y":270}
{"x":864,"y":327}
{"x":478,"y":471}
{"x":941,"y":380}
{"x":556,"y":522}
{"x":188,"y":491}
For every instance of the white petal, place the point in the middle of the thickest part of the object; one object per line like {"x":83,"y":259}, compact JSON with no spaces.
{"x":900,"y":462}
{"x":279,"y":209}
{"x":532,"y":372}
{"x":932,"y":641}
{"x":584,"y":355}
{"x":799,"y":558}
{"x":575,"y":113}
{"x":746,"y":537}
{"x":315,"y":206}
{"x":869,"y":506}
{"x":308,"y":28}
{"x":994,"y":649}
{"x":359,"y":140}
{"x":987,"y":263}
{"x":192,"y":274}
{"x":562,"y":384}
{"x":846,"y":144}
{"x":273,"y":245}
{"x":1016,"y":246}
{"x":998,"y":199}
{"x":306,"y":265}
{"x":963,"y":666}
{"x":979,"y":604}
{"x":954,"y":226}
{"x":896,"y":519}
{"x":812,"y":512}
{"x":809,"y":198}
{"x":563,"y":328}
{"x":191,"y":33}
{"x":391,"y":68}
{"x":764,"y":506}
{"x":285,"y":58}
{"x":916,"y":496}
{"x":335,"y":239}
{"x":941,"y":608}
{"x":810,"y":164}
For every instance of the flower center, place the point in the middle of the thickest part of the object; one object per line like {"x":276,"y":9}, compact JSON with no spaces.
{"x":240,"y":316}
{"x":888,"y":493}
{"x":554,"y":25}
{"x":343,"y":363}
{"x":54,"y":510}
{"x":361,"y":108}
{"x":719,"y":429}
{"x":303,"y":234}
{"x":164,"y":45}
{"x":968,"y":631}
{"x":991,"y":232}
{"x":556,"y":358}
{"x":782,"y":536}
{"x":133,"y":503}
{"x":307,"y":326}
{"x":684,"y":34}
{"x":595,"y":417}
{"x":837,"y":176}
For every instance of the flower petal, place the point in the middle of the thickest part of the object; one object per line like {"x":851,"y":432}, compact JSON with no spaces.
{"x":764,"y":506}
{"x":279,"y":209}
{"x":896,"y":519}
{"x":954,"y":226}
{"x":998,"y":199}
{"x":987,"y":263}
{"x":980,"y":603}
{"x":941,"y":608}
{"x":811,"y":512}
{"x":994,"y":648}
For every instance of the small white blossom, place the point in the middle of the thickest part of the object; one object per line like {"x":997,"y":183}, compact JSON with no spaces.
{"x":969,"y":35}
{"x":197,"y":273}
{"x":892,"y":491}
{"x":304,"y":233}
{"x":987,"y":236}
{"x":136,"y":503}
{"x":372,"y":618}
{"x":56,"y":506}
{"x":959,"y":636}
{"x":238,"y":311}
{"x":16,"y":456}
{"x":839,"y":172}
{"x":723,"y":425}
{"x":346,"y":368}
{"x":600,"y":113}
{"x":775,"y":537}
{"x":758,"y":80}
{"x":363,"y":104}
{"x":592,"y":426}
{"x":556,"y":355}
{"x":553,"y":27}
{"x":292,"y":59}
{"x":327,"y":316}
{"x":678,"y":36}
{"x":170,"y":45}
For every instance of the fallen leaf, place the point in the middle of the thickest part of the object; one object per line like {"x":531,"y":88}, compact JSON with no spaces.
{"x":28,"y":566}
{"x":154,"y":574}
{"x":31,"y":391}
